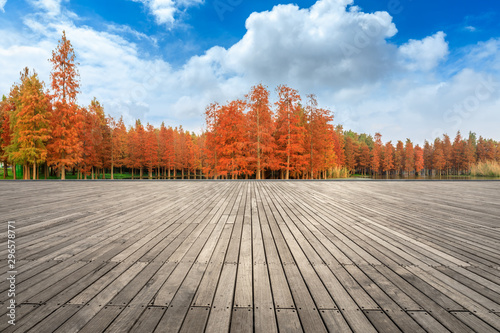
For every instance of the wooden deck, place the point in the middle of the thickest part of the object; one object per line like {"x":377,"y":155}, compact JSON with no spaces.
{"x":253,"y":256}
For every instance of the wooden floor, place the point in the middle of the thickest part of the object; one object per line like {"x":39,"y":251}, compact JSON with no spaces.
{"x":253,"y":256}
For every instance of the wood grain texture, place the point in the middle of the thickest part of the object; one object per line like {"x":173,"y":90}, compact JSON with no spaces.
{"x":256,"y":256}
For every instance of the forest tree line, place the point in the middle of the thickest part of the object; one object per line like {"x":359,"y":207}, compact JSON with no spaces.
{"x":47,"y":133}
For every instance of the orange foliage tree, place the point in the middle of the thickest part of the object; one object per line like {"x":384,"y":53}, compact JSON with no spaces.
{"x":318,"y":144}
{"x":65,"y":146}
{"x":419,"y":159}
{"x":388,"y":161}
{"x":260,"y":128}
{"x":290,"y":133}
{"x":29,"y":119}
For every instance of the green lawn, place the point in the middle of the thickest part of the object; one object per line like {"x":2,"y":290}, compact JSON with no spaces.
{"x":69,"y":175}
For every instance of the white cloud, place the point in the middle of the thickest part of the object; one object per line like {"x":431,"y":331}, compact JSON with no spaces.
{"x":470,"y":28}
{"x":425,"y":54}
{"x":314,"y":46}
{"x":2,"y":5}
{"x":51,"y":7}
{"x":166,"y":11}
{"x":331,"y":49}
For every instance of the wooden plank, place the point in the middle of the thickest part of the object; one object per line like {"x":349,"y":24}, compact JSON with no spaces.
{"x":288,"y":320}
{"x":428,"y":322}
{"x":242,"y":321}
{"x":381,"y":321}
{"x":149,"y":319}
{"x":56,"y":318}
{"x":134,"y":286}
{"x":474,"y":322}
{"x":208,"y":285}
{"x":146,"y":295}
{"x":220,"y":314}
{"x":335,"y":321}
{"x":22,"y":311}
{"x":179,"y":306}
{"x":86,"y":313}
{"x":126,"y":319}
{"x":102,"y":319}
{"x":195,"y":320}
{"x":407,"y":257}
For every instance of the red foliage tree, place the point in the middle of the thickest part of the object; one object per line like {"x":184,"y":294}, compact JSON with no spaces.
{"x":290,"y":133}
{"x":319,"y":147}
{"x":150,"y":149}
{"x":419,"y":159}
{"x":409,"y":158}
{"x":260,"y":128}
{"x":232,"y":142}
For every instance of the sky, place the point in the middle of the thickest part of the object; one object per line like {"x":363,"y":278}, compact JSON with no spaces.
{"x":404,"y":68}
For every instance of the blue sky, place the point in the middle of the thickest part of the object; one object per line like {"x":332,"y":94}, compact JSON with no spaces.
{"x":406,"y":68}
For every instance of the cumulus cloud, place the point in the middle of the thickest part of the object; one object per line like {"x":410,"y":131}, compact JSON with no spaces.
{"x":332,"y":49}
{"x":425,"y":54}
{"x":165,"y":11}
{"x":2,"y":5}
{"x":316,"y":45}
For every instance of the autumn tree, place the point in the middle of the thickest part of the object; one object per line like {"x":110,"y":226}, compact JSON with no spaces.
{"x":399,"y":155}
{"x":290,"y":132}
{"x":447,"y":153}
{"x":438,"y":157}
{"x":100,"y":137}
{"x":409,"y":158}
{"x":6,"y":106}
{"x":212,"y":112}
{"x":232,"y":141}
{"x":139,"y":144}
{"x":119,"y":145}
{"x":375,"y":160}
{"x":260,"y":130}
{"x":428,"y":150}
{"x":419,"y":159}
{"x":65,"y":147}
{"x":29,"y":121}
{"x":350,"y":150}
{"x":364,"y":157}
{"x":337,"y":138}
{"x":319,"y":128}
{"x":388,"y":161}
{"x":150,"y":149}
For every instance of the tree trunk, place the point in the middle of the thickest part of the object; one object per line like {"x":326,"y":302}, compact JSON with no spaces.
{"x":92,"y":173}
{"x":168,"y":173}
{"x":5,"y":169}
{"x":103,"y":173}
{"x":182,"y":173}
{"x":140,"y":173}
{"x":112,"y":169}
{"x":150,"y":173}
{"x":34,"y":171}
